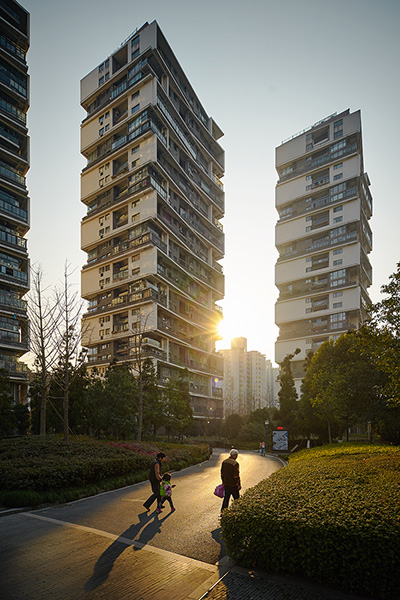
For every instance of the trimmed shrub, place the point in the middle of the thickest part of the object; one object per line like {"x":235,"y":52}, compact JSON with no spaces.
{"x":332,"y":515}
{"x":50,"y":470}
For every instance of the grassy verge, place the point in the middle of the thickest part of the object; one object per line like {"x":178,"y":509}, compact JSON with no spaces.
{"x":332,"y":515}
{"x":36,"y":470}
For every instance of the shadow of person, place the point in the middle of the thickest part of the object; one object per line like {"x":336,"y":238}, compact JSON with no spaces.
{"x":106,"y":561}
{"x":150,"y":531}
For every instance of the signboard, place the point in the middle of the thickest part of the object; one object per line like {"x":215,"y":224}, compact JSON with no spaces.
{"x":280,"y":440}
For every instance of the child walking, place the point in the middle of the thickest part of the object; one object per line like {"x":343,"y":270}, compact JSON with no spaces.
{"x":166,"y":491}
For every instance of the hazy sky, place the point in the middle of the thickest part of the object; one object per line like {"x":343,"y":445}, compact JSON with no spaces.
{"x":264,"y":70}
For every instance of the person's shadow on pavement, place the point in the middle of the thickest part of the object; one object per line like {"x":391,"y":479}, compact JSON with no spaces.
{"x":106,"y":561}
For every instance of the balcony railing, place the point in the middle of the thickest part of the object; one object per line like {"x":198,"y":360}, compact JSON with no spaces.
{"x":11,"y":174}
{"x":12,"y":110}
{"x":12,"y":239}
{"x":7,"y":206}
{"x":15,"y":369}
{"x":10,"y":301}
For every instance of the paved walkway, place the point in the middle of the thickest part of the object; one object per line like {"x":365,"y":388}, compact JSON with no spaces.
{"x":55,"y":560}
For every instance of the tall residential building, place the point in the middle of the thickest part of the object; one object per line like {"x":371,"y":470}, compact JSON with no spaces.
{"x":245,"y":379}
{"x":256,"y":380}
{"x":14,"y":200}
{"x":152,"y":232}
{"x":322,"y":236}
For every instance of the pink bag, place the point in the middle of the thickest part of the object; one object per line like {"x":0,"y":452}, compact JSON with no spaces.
{"x":219,"y":490}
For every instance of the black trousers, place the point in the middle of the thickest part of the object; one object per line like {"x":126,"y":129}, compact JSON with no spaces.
{"x":155,"y":486}
{"x":168,"y":499}
{"x":229,"y":491}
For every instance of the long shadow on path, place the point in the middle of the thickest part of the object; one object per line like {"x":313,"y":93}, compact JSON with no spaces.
{"x":105,"y":563}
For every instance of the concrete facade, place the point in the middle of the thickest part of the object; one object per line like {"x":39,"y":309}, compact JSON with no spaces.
{"x":322,"y":236}
{"x":152,"y":232}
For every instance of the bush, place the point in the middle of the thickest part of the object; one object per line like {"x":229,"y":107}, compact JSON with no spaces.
{"x":332,"y":515}
{"x":34,"y":470}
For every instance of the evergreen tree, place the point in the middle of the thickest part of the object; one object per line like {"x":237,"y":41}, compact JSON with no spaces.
{"x":287,"y":394}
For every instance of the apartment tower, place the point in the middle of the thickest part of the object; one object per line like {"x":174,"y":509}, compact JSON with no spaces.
{"x":322,"y":236}
{"x":14,"y":200}
{"x":245,"y":381}
{"x":152,"y":233}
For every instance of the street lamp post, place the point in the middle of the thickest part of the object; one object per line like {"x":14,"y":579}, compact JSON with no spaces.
{"x":266,"y":423}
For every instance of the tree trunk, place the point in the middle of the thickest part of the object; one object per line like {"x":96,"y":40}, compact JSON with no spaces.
{"x":329,"y":433}
{"x":140,"y":407}
{"x":43,"y":407}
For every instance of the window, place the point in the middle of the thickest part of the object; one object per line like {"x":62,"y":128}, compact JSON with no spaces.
{"x":308,"y":228}
{"x":308,"y":310}
{"x":338,"y":251}
{"x":309,"y":147}
{"x":135,"y":217}
{"x":101,"y":131}
{"x":107,"y":76}
{"x":135,"y":40}
{"x":339,"y":261}
{"x":134,"y":163}
{"x":338,"y":208}
{"x":107,"y":114}
{"x":107,"y":63}
{"x":136,"y":271}
{"x":135,"y":257}
{"x":101,"y":67}
{"x":135,"y":54}
{"x":337,"y":305}
{"x":135,"y":108}
{"x":308,"y":177}
{"x":101,"y":80}
{"x":101,"y":171}
{"x":308,"y":300}
{"x":107,"y":127}
{"x":135,"y":95}
{"x":337,"y":219}
{"x":337,"y":166}
{"x":337,"y":294}
{"x":135,"y":203}
{"x":338,"y":176}
{"x":101,"y":119}
{"x":135,"y":149}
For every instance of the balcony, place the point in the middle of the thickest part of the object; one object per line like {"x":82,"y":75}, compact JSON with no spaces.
{"x":10,"y":302}
{"x":14,"y":368}
{"x":12,"y":175}
{"x":13,"y":111}
{"x":8,"y":205}
{"x":12,"y":240}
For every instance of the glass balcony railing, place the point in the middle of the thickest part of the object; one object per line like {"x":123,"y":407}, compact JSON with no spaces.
{"x":12,"y":239}
{"x":13,"y":111}
{"x":11,"y":174}
{"x":6,"y":299}
{"x":7,"y":205}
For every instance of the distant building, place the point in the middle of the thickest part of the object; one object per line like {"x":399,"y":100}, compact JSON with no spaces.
{"x":248,"y":379}
{"x":322,"y":236}
{"x":154,"y":196}
{"x":14,"y":200}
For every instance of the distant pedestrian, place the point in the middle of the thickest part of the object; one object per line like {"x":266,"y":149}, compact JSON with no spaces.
{"x":262,"y":448}
{"x":230,"y":478}
{"x":155,"y":481}
{"x":166,"y":491}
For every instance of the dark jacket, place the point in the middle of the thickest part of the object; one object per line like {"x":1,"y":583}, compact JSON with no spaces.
{"x":152,"y":476}
{"x":230,"y":472}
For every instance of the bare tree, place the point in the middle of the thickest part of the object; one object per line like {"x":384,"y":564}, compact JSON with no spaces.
{"x":138,"y":354}
{"x":70,"y":354}
{"x":44,"y":317}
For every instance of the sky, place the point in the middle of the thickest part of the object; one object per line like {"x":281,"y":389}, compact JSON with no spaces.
{"x":264,"y":70}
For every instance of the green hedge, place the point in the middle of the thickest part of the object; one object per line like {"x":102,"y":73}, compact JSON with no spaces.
{"x":332,"y":515}
{"x":50,"y":470}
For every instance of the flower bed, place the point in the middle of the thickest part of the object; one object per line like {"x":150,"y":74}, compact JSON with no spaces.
{"x":332,"y":515}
